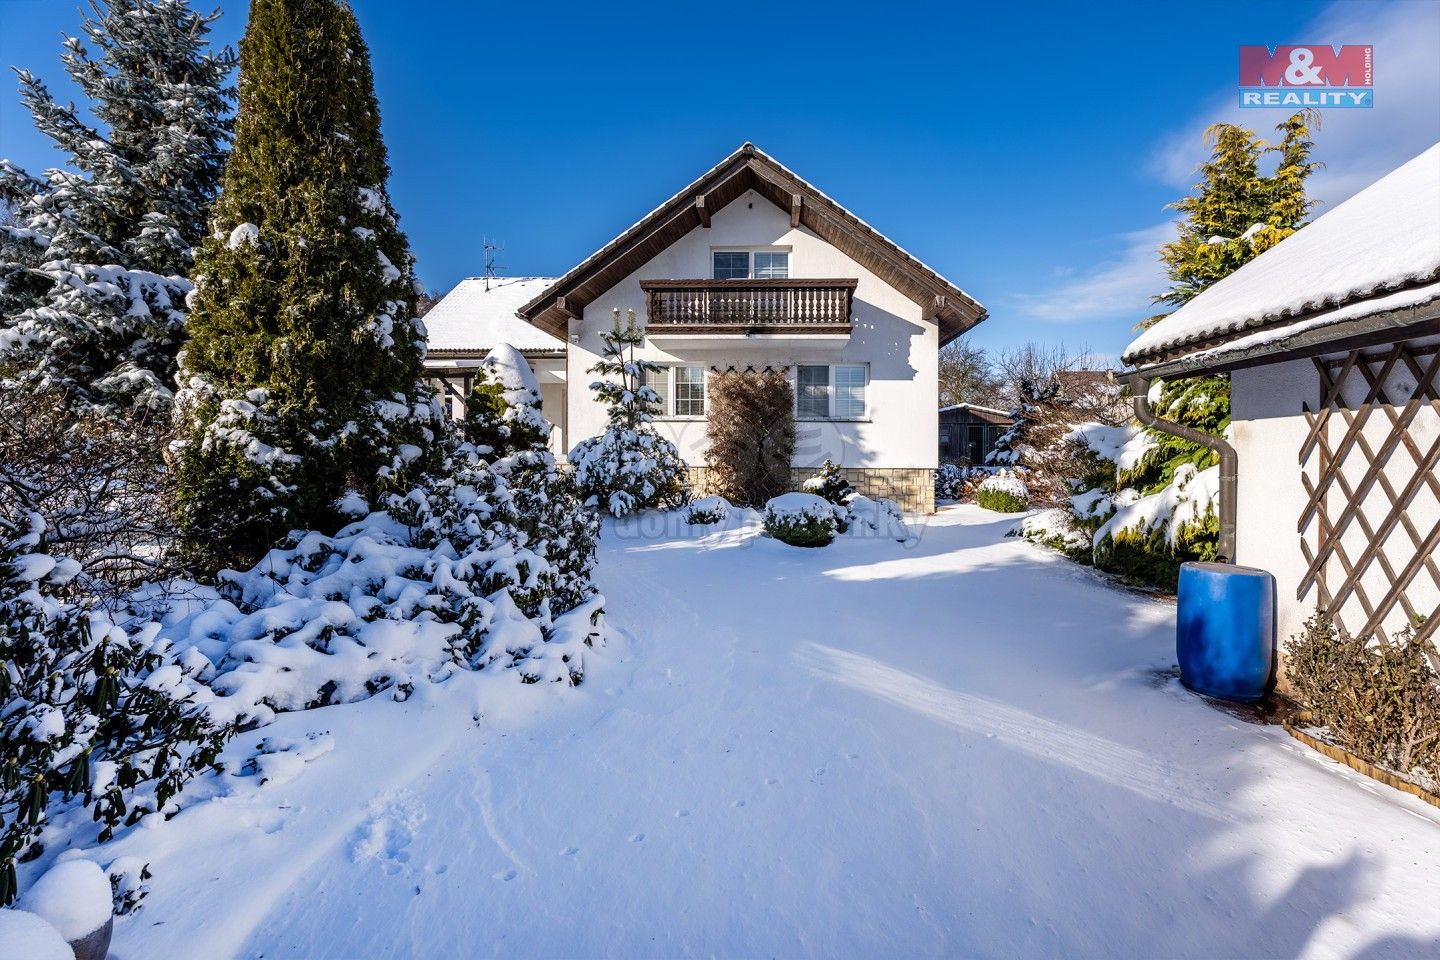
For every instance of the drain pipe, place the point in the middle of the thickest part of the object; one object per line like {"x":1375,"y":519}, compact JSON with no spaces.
{"x":1229,"y":460}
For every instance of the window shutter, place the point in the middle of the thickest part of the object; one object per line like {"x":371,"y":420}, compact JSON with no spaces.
{"x":659,"y":381}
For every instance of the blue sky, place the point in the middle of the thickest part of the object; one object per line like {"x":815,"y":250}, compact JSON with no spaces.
{"x":1025,"y":150}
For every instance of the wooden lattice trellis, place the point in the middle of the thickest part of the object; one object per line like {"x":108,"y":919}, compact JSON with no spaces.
{"x":1370,"y":530}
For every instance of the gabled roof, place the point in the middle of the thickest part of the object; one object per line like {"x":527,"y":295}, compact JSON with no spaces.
{"x":479,"y":314}
{"x":1376,"y":253}
{"x":749,"y":168}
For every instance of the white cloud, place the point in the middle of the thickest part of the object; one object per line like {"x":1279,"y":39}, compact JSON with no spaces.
{"x":1121,"y":286}
{"x":1358,"y":147}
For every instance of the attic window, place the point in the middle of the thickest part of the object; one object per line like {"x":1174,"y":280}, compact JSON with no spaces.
{"x":750,"y":264}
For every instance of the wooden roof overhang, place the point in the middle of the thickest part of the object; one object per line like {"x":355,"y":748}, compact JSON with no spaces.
{"x":751,"y":169}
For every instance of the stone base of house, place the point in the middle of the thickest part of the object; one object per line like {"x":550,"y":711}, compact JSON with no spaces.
{"x":913,"y":488}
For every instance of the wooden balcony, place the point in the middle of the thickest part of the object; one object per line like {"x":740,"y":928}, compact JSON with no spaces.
{"x":748,"y":306}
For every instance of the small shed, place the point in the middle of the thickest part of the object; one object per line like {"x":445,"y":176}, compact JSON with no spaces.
{"x":1332,"y":343}
{"x":969,"y":431}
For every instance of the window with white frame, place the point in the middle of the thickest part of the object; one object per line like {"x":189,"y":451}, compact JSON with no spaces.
{"x":689,"y":391}
{"x":750,"y":264}
{"x":830,"y":392}
{"x":681,"y":390}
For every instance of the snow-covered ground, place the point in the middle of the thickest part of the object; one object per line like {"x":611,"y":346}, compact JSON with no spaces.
{"x":961,"y":746}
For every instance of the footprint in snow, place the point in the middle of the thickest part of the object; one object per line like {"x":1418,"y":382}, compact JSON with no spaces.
{"x":505,"y":875}
{"x":738,"y":803}
{"x":638,"y":838}
{"x":569,"y":851}
{"x":682,"y":813}
{"x":771,"y":781}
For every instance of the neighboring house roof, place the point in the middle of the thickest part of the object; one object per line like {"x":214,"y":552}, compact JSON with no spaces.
{"x":479,"y":314}
{"x":1375,"y":255}
{"x":749,"y":168}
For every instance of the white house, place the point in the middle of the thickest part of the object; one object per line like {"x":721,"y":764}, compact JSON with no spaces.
{"x":1332,"y":343}
{"x":752,"y":267}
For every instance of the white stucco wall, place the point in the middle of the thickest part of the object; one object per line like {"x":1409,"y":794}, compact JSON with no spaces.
{"x":890,"y":336}
{"x":1269,"y":431}
{"x":1268,"y":428}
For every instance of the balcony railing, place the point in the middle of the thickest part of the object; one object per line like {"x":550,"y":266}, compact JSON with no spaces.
{"x":748,"y":306}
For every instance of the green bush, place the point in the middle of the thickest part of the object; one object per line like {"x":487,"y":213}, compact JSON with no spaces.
{"x":801,"y":531}
{"x":810,"y":525}
{"x":1380,"y":699}
{"x":1150,"y":559}
{"x":1000,"y":501}
{"x":708,"y":510}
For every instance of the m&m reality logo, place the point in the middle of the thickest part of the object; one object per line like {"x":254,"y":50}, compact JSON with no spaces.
{"x":1309,"y":75}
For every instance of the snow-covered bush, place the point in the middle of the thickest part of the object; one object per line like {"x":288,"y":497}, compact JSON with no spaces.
{"x":547,"y":517}
{"x":708,"y":510}
{"x":91,"y":711}
{"x":1003,"y":492}
{"x":1149,"y":537}
{"x":443,"y":579}
{"x":98,"y":480}
{"x":829,"y":483}
{"x":874,"y":518}
{"x":503,"y":411}
{"x":1379,"y":698}
{"x":543,"y":508}
{"x":629,"y":467}
{"x":802,"y":519}
{"x":949,"y":479}
{"x":751,"y":427}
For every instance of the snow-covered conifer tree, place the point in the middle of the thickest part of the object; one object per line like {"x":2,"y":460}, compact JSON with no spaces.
{"x":503,"y":412}
{"x":301,"y":381}
{"x":93,"y":264}
{"x":629,"y":467}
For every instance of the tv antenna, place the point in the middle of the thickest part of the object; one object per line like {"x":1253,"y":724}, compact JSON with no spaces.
{"x":491,"y":248}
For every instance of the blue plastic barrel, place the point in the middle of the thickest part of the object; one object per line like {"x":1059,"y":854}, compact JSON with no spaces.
{"x":1225,"y":630}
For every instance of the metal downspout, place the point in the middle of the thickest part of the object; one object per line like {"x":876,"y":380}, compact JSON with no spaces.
{"x":1229,"y":460}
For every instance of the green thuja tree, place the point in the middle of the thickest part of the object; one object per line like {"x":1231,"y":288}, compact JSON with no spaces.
{"x":95,"y":253}
{"x":1234,"y":214}
{"x":301,"y":380}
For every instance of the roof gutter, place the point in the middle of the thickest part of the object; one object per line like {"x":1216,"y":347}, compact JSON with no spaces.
{"x":1229,"y":459}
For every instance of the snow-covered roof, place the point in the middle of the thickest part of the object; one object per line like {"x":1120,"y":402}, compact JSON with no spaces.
{"x":974,"y":406}
{"x":1383,"y":240}
{"x":480,"y":314}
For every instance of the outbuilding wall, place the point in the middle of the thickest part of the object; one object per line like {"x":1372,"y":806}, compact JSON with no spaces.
{"x":1365,"y":548}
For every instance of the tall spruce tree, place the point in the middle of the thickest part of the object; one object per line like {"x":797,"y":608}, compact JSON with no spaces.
{"x":95,"y":256}
{"x":1234,"y":214}
{"x":301,"y":381}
